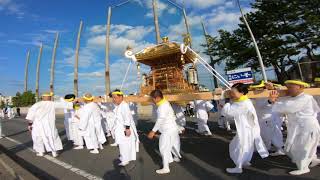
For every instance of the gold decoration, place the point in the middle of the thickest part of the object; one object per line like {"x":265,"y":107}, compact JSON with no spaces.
{"x":187,"y":39}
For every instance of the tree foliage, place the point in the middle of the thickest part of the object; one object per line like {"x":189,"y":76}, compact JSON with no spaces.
{"x":285,"y":31}
{"x":24,"y":99}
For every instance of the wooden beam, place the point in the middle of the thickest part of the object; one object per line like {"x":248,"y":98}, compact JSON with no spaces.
{"x":204,"y":96}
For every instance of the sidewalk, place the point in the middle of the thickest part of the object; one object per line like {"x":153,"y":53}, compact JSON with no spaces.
{"x":10,"y":170}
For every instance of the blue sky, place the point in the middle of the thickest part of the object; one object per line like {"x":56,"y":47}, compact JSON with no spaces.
{"x":27,"y":23}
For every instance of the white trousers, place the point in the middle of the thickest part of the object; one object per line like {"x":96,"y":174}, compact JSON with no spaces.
{"x":169,"y":143}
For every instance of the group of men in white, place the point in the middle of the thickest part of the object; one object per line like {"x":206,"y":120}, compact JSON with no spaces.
{"x":258,"y":126}
{"x":7,"y":112}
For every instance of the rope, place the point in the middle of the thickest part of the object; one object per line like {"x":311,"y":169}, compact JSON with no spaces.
{"x":125,"y":76}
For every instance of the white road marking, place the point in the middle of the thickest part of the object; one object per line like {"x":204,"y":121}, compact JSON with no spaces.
{"x":65,"y":165}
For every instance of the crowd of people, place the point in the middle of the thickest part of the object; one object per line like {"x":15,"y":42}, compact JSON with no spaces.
{"x":259,"y":125}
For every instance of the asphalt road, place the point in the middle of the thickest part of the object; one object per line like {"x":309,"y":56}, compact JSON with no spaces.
{"x":203,"y":158}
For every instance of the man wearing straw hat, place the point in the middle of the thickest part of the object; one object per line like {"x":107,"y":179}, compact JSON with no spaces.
{"x":303,"y":128}
{"x":125,"y":131}
{"x":41,"y":122}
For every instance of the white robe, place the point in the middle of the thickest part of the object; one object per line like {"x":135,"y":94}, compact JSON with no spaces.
{"x":75,"y":125}
{"x":44,"y":133}
{"x":109,"y":117}
{"x":317,"y":98}
{"x":128,"y":146}
{"x":68,"y":117}
{"x":90,"y":125}
{"x":169,"y":142}
{"x":202,"y":107}
{"x":134,"y":111}
{"x":270,"y":124}
{"x":1,"y":114}
{"x":181,"y":119}
{"x":303,"y":128}
{"x":10,"y":113}
{"x":248,"y":137}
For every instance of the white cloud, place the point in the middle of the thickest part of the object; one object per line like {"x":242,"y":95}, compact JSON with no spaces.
{"x":86,"y":57}
{"x":12,"y":8}
{"x":172,"y":11}
{"x":224,"y":17}
{"x":203,"y":4}
{"x":121,"y":37}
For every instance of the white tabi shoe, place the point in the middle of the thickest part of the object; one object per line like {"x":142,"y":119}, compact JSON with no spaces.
{"x":54,"y":154}
{"x":114,"y":144}
{"x":314,"y":163}
{"x":234,"y":170}
{"x":101,"y":146}
{"x":176,"y":159}
{"x":40,"y":154}
{"x":299,"y":172}
{"x":95,"y":151}
{"x":163,"y":171}
{"x":123,"y":164}
{"x":78,"y":147}
{"x":278,"y":153}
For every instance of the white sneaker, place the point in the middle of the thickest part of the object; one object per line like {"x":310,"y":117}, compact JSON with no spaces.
{"x":78,"y":147}
{"x":299,"y":172}
{"x":314,"y":163}
{"x":40,"y":154}
{"x":234,"y":170}
{"x":54,"y":154}
{"x":114,"y":144}
{"x":95,"y":151}
{"x":278,"y":153}
{"x":123,"y":164}
{"x":176,"y":159}
{"x":100,"y":146}
{"x":163,"y":171}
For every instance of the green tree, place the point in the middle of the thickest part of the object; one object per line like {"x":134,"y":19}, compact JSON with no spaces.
{"x":25,"y":99}
{"x":284,"y":30}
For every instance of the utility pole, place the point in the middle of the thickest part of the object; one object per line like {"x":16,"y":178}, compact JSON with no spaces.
{"x":26,"y":72}
{"x":107,"y":66}
{"x":156,"y":22}
{"x":53,"y":61}
{"x":38,"y":72}
{"x":76,"y":64}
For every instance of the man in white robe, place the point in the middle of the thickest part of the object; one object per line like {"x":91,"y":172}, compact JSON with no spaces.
{"x":248,"y":137}
{"x":10,"y":113}
{"x":2,"y":114}
{"x":303,"y":128}
{"x":169,"y":142}
{"x":270,"y":125}
{"x":68,"y":117}
{"x":1,"y":119}
{"x":126,"y":135}
{"x":41,"y":119}
{"x":90,"y":124}
{"x":75,"y":125}
{"x":223,"y":122}
{"x":202,"y":113}
{"x":181,"y":119}
{"x":109,"y":119}
{"x":134,"y":111}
